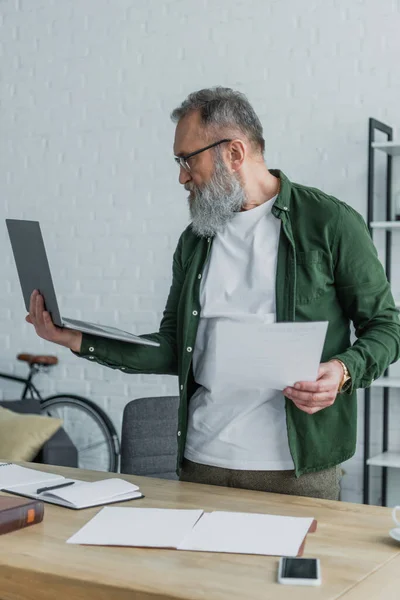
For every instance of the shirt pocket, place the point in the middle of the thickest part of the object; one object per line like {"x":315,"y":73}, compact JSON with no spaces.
{"x":311,"y":282}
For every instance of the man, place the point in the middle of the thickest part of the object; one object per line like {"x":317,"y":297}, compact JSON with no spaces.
{"x":259,"y":248}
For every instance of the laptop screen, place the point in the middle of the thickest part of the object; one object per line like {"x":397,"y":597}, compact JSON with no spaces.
{"x":32,"y":264}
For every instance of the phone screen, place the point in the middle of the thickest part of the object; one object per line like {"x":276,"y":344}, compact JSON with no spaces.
{"x":299,"y":568}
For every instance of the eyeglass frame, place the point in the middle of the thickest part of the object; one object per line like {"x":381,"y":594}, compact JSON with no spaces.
{"x":182,"y":160}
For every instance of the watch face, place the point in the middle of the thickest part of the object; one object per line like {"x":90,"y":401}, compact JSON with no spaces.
{"x":346,"y":384}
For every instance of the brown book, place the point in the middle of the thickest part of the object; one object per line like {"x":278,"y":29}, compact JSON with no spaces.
{"x":16,"y":513}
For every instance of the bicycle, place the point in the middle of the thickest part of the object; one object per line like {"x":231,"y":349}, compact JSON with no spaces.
{"x":87,"y":425}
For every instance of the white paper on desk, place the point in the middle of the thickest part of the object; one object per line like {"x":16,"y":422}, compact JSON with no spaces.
{"x":248,"y":533}
{"x":273,"y":356}
{"x":145,"y":527}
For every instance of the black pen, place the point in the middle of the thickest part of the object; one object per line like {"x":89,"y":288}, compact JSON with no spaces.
{"x":54,"y":487}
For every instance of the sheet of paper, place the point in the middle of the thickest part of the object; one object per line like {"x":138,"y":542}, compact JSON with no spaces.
{"x":145,"y":527}
{"x":247,"y":533}
{"x":14,"y":475}
{"x":270,"y":355}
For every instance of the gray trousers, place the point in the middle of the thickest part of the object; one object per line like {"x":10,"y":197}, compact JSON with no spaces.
{"x":322,"y":484}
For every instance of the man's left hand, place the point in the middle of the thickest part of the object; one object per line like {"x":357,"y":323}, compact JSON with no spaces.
{"x":313,"y":396}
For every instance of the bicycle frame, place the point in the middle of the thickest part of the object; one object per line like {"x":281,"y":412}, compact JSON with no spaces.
{"x":29,"y":386}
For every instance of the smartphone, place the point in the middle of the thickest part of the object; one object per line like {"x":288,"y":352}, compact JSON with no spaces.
{"x":299,"y":571}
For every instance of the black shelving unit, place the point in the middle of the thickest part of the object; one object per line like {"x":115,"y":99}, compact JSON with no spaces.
{"x":375,"y":126}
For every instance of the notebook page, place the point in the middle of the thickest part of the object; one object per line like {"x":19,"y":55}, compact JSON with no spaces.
{"x":247,"y":533}
{"x":83,"y":493}
{"x":145,"y":527}
{"x":30,"y":491}
{"x":12,"y":476}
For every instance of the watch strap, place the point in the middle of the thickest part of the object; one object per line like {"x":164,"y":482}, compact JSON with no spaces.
{"x":346,"y":379}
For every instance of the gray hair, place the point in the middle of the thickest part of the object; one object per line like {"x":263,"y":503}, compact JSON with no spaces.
{"x":224,"y":108}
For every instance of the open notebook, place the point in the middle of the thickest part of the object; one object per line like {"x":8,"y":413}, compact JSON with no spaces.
{"x":80,"y":494}
{"x":219,"y":531}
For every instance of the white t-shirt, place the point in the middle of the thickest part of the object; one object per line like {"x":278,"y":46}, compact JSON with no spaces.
{"x":230,"y":425}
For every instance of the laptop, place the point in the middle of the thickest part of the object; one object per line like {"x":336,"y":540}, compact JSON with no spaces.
{"x":34,"y":274}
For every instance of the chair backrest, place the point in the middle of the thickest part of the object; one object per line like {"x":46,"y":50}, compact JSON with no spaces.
{"x":148,"y":440}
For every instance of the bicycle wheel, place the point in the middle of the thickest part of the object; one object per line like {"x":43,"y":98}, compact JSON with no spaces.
{"x":89,"y":428}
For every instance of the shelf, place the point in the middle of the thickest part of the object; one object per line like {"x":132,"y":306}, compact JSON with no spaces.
{"x":387,"y":459}
{"x":385,"y":224}
{"x":388,"y":226}
{"x":393,"y":382}
{"x":392,"y":148}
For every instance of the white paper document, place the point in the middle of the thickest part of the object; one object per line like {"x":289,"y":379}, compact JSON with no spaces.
{"x":243,"y":533}
{"x":273,"y":355}
{"x":248,"y":533}
{"x":150,"y":527}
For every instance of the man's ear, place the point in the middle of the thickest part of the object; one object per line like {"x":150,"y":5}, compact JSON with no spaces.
{"x":237,"y":153}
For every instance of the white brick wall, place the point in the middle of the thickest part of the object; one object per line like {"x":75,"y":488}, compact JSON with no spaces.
{"x":86,"y":145}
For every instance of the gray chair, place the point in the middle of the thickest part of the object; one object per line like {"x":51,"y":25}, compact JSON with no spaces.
{"x":148,"y":439}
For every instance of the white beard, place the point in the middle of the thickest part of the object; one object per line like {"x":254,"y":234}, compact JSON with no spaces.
{"x":213,"y":205}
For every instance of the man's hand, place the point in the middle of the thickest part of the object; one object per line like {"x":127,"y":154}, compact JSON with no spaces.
{"x":312,"y":396}
{"x":45,"y":327}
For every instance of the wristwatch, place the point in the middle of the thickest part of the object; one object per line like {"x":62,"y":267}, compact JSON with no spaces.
{"x":346,"y":380}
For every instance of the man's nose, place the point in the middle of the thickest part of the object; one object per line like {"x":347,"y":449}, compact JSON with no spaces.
{"x":184,"y":176}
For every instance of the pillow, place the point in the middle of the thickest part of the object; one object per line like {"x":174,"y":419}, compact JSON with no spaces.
{"x":22,"y":435}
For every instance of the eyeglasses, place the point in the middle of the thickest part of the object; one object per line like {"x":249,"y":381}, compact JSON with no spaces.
{"x":182,"y":160}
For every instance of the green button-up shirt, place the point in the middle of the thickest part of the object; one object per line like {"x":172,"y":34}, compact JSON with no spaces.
{"x":327,"y":270}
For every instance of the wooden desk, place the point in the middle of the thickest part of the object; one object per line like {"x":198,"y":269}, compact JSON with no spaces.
{"x":358,"y":558}
{"x":383,"y":583}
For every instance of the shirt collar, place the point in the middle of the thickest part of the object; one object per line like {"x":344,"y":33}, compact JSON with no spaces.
{"x":282,"y":203}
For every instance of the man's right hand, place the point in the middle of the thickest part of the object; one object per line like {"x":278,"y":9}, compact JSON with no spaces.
{"x":45,"y":327}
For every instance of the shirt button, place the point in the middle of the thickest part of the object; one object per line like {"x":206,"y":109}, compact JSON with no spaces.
{"x":199,"y":276}
{"x":208,"y":240}
{"x":91,"y":357}
{"x":285,"y":208}
{"x":179,"y":433}
{"x":91,"y":349}
{"x":181,"y":387}
{"x":123,"y":368}
{"x":189,"y":348}
{"x":195,"y":313}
